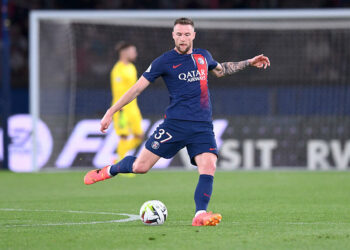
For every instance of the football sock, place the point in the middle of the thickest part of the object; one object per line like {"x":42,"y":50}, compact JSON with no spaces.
{"x":203,"y":191}
{"x":199,"y":212}
{"x":124,"y":166}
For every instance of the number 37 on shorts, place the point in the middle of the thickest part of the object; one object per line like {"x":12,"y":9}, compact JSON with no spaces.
{"x":163,"y":135}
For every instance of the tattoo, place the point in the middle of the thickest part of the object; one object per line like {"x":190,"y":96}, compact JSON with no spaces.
{"x":229,"y":68}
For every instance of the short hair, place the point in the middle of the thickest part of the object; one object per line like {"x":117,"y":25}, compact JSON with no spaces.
{"x":184,"y":21}
{"x":122,"y":45}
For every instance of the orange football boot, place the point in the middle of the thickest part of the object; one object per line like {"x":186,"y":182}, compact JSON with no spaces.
{"x":206,"y":219}
{"x":97,"y":175}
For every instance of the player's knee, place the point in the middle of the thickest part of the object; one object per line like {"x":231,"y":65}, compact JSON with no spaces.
{"x":211,"y":167}
{"x":123,"y":137}
{"x":207,"y":168}
{"x":140,"y":168}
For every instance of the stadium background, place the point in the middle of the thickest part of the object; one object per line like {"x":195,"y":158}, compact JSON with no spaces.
{"x":304,"y":95}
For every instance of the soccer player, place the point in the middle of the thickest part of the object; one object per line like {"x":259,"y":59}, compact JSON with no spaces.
{"x":188,"y":118}
{"x":128,"y":120}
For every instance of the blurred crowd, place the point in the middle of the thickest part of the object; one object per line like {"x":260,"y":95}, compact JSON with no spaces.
{"x":19,"y":9}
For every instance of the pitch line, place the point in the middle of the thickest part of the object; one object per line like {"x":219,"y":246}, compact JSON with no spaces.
{"x":131,"y":217}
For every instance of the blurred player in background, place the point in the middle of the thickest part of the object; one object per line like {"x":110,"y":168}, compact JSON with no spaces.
{"x":127,"y":122}
{"x":188,"y":120}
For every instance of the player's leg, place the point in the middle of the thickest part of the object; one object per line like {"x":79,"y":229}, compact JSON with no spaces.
{"x":162,"y":143}
{"x":159,"y":144}
{"x":122,"y":148}
{"x":135,"y":124}
{"x":130,"y":122}
{"x":140,"y":165}
{"x":129,"y":144}
{"x":121,"y":128}
{"x":206,"y":163}
{"x":125,"y":145}
{"x":134,"y":118}
{"x":202,"y":150}
{"x":130,"y":164}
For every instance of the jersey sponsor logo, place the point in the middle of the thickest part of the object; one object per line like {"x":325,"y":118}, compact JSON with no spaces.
{"x":175,"y":66}
{"x":155,"y":145}
{"x":193,"y":75}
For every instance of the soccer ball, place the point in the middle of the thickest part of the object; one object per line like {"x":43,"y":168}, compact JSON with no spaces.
{"x":153,"y":213}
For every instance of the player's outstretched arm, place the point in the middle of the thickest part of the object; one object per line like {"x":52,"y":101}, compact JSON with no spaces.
{"x":229,"y":68}
{"x":130,"y":95}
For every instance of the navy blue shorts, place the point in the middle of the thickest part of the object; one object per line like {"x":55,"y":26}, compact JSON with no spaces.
{"x":173,"y":135}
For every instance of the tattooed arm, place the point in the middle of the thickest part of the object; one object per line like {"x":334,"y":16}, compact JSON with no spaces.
{"x":229,"y":68}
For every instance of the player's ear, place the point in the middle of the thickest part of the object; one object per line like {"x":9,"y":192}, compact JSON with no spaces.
{"x":194,"y":35}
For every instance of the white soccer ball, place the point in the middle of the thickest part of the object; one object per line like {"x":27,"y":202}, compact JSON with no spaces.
{"x":153,"y":213}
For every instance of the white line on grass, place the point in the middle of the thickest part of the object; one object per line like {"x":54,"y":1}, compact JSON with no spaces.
{"x":131,"y":217}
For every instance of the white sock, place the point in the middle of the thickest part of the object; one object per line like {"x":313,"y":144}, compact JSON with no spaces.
{"x":108,"y":170}
{"x":200,"y":212}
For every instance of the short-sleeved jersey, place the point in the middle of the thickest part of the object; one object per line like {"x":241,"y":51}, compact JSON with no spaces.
{"x":123,"y":77}
{"x":186,"y":77}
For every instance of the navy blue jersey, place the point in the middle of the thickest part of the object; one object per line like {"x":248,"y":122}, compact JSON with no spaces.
{"x":186,"y":77}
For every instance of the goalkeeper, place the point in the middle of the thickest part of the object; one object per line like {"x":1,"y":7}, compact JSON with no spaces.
{"x":127,"y":122}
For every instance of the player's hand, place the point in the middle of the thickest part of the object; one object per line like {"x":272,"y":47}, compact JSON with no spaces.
{"x":260,"y":61}
{"x":105,"y":122}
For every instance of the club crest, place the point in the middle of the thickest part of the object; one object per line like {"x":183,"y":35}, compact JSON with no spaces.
{"x":200,"y":60}
{"x":155,"y":145}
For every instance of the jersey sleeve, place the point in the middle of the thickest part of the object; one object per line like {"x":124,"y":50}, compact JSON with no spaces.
{"x":155,"y":70}
{"x":211,"y":62}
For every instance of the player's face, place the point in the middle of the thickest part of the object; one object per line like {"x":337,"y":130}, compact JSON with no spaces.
{"x":183,"y":36}
{"x":131,"y":53}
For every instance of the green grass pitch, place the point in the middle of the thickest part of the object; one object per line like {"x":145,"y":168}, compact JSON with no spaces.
{"x":261,"y":210}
